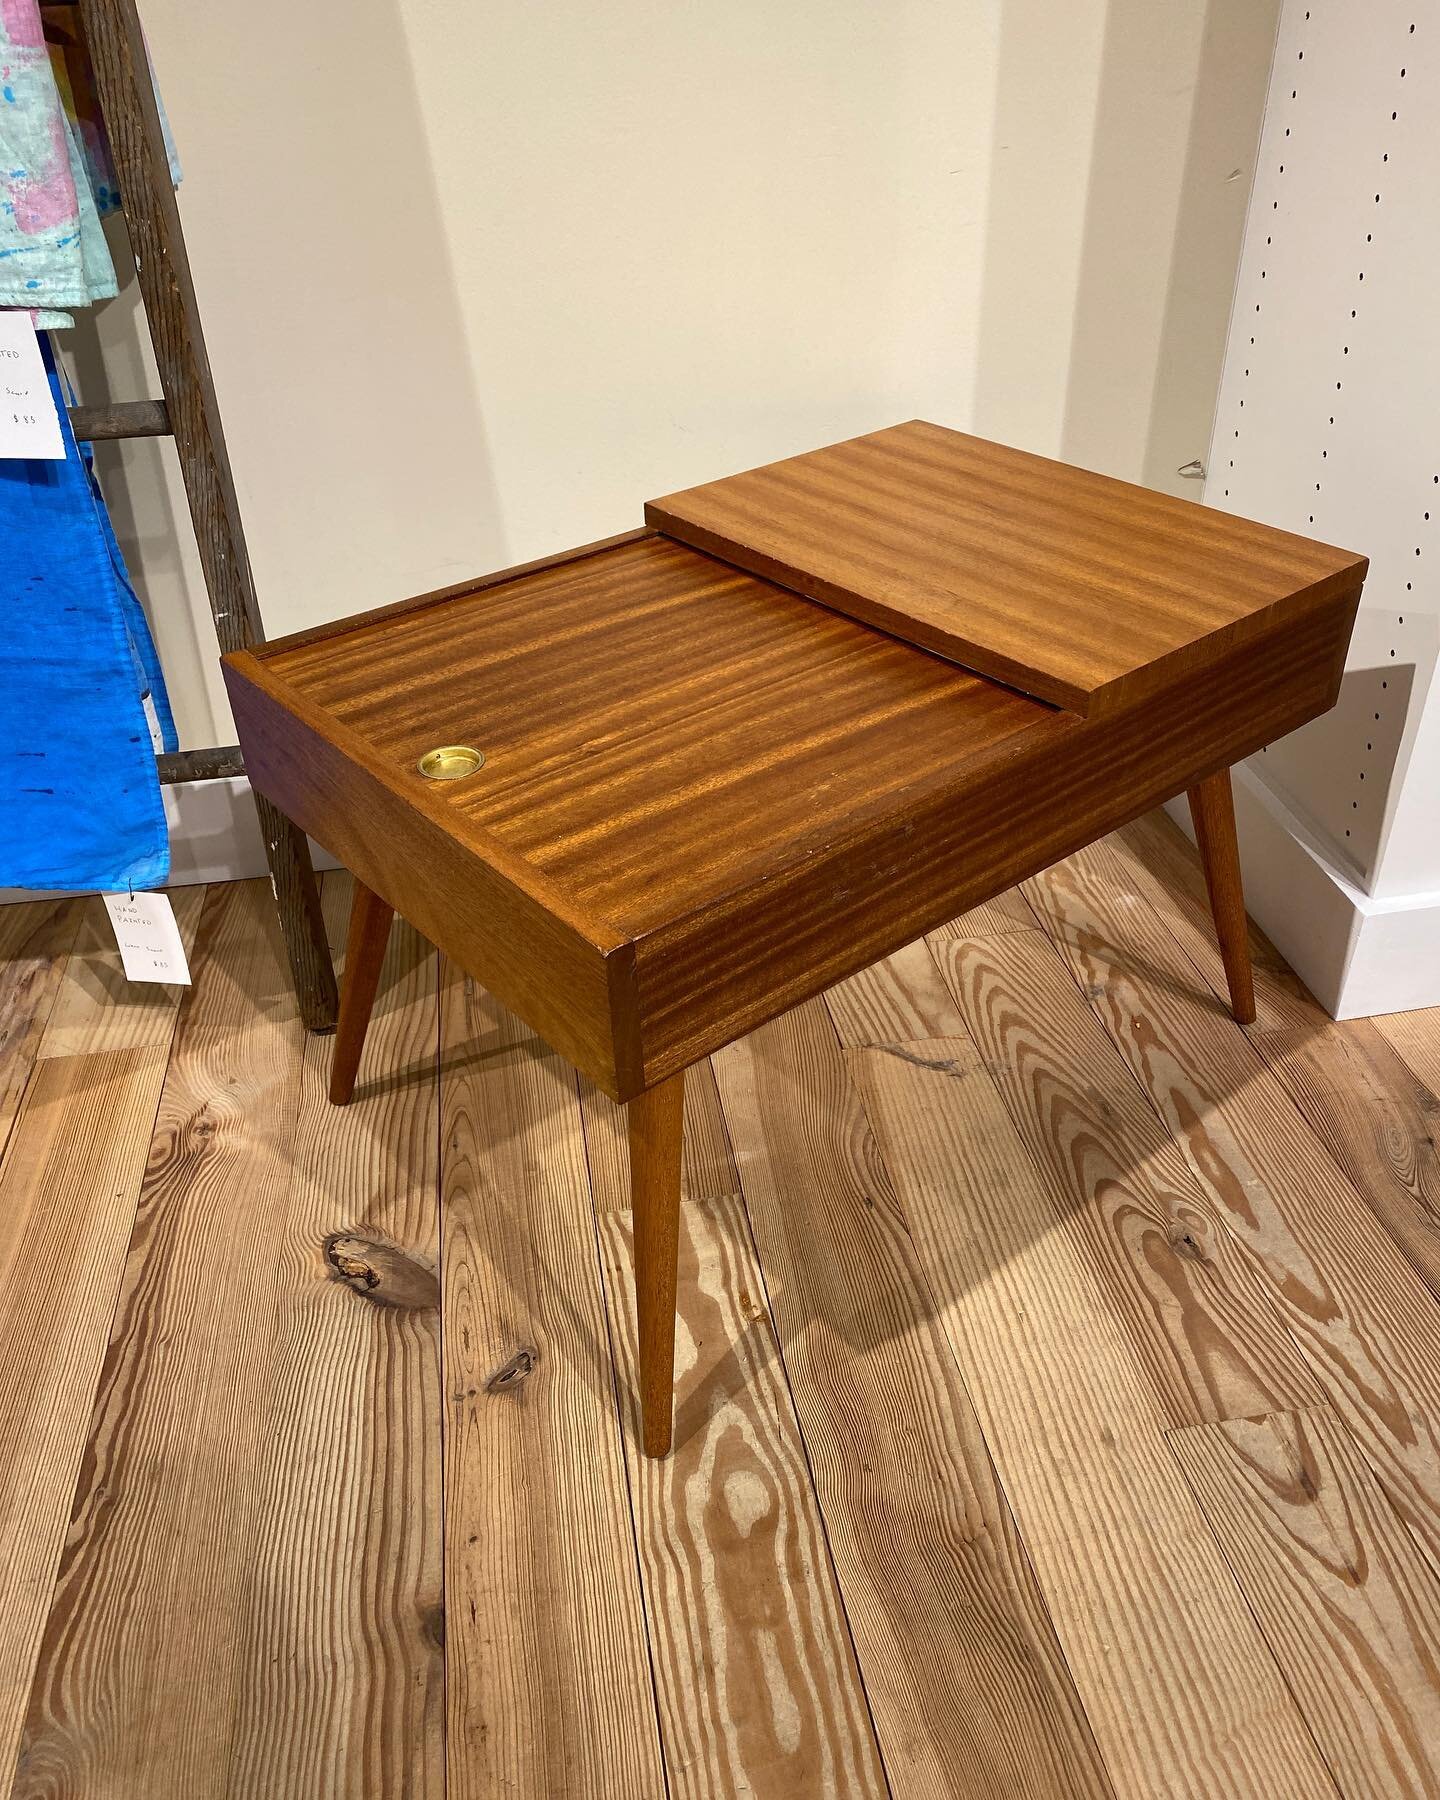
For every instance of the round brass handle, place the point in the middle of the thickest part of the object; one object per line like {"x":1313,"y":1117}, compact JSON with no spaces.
{"x":450,"y":762}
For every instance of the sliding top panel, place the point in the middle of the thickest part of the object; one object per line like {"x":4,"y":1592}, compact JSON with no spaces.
{"x":1084,"y":591}
{"x":658,"y":729}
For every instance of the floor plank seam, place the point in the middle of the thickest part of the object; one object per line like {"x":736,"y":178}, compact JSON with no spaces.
{"x":40,"y":1026}
{"x":1420,"y":1076}
{"x":801,"y":1440}
{"x":618,"y":1408}
{"x":1354,"y":1200}
{"x":1264,"y":1064}
{"x":437,"y":968}
{"x":1004,"y":1486}
{"x":107,"y":1342}
{"x":1248,"y":1604}
{"x":21,"y":1104}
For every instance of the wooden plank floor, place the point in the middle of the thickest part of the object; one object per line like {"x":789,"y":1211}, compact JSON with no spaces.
{"x":1058,"y":1382}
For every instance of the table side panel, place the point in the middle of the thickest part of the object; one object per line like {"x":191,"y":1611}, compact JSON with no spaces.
{"x":577,"y":992}
{"x":1069,"y":585}
{"x":730,"y":966}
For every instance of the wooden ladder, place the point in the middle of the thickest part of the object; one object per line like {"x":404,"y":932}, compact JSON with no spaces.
{"x":190,"y":415}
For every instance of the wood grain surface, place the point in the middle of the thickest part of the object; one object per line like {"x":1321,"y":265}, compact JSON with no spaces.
{"x":69,"y":1186}
{"x":342,"y":1685}
{"x":1377,"y":1119}
{"x":35,"y":941}
{"x":536,"y":951}
{"x":1417,"y":1038}
{"x":895,"y":1001}
{"x":1366,"y":1322}
{"x":704,"y":798}
{"x":755,"y":1673}
{"x":171,"y":1493}
{"x":548,"y":1671}
{"x":1346,"y":1602}
{"x":1008,"y":911}
{"x":1376,"y":1116}
{"x":648,"y":712}
{"x":949,"y":1625}
{"x":726,"y":966}
{"x":1201,"y":1324}
{"x":1181,"y":1690}
{"x":961,"y":1501}
{"x":1086,"y":591}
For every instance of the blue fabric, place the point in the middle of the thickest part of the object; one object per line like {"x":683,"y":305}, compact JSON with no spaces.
{"x":79,"y":793}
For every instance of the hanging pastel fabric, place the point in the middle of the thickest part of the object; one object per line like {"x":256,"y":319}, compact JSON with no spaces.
{"x":53,"y":253}
{"x":78,"y":781}
{"x":75,"y":81}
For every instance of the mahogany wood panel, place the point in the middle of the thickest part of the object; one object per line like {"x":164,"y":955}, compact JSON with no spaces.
{"x":658,"y":728}
{"x":1084,"y":590}
{"x":651,"y":720}
{"x":497,"y":919}
{"x":725,"y":969}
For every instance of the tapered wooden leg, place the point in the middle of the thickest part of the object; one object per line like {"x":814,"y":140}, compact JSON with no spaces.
{"x":370,"y":918}
{"x":1212,"y":807}
{"x":656,"y":1125}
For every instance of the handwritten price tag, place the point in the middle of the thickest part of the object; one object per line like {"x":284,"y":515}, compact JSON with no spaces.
{"x":148,"y":937}
{"x":29,"y":425}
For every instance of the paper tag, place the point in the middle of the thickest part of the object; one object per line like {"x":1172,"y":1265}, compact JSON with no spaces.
{"x":29,"y":425}
{"x":148,"y":937}
{"x":152,"y":720}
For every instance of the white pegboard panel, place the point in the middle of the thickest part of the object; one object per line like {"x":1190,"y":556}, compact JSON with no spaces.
{"x":1328,"y":420}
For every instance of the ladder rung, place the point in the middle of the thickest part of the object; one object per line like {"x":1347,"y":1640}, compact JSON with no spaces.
{"x":176,"y":766}
{"x":121,"y":419}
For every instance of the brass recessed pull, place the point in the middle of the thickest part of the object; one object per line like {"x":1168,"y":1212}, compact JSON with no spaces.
{"x":450,"y":762}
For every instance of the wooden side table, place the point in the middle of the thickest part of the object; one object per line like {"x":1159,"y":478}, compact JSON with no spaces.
{"x":705,"y":796}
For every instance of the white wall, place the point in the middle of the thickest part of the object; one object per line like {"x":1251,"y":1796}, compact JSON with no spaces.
{"x":340,"y":356}
{"x":687,"y":239}
{"x":1327,"y":424}
{"x":479,"y":280}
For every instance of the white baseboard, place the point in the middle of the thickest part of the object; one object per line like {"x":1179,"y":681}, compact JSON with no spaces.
{"x":214,"y":836}
{"x":1357,"y":954}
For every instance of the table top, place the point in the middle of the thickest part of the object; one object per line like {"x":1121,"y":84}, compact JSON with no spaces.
{"x":657,"y":727}
{"x":1066,"y":584}
{"x":704,"y":796}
